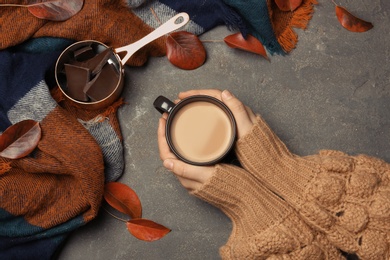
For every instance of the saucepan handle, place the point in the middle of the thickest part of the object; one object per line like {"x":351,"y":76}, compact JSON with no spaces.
{"x":171,"y":25}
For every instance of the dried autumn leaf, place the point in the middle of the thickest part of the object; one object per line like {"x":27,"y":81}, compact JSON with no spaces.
{"x":250,"y":44}
{"x":185,"y":50}
{"x":146,"y":230}
{"x":288,"y":5}
{"x":20,"y":139}
{"x":54,"y":10}
{"x":351,"y":22}
{"x":122,"y":198}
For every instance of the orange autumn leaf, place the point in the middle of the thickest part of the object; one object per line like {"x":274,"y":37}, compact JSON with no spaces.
{"x":20,"y":139}
{"x":146,"y":230}
{"x":288,"y":5}
{"x":250,"y":44}
{"x":351,"y":22}
{"x":185,"y":50}
{"x":123,"y":198}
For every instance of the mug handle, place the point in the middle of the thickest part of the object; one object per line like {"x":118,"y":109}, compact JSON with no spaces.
{"x":163,"y":104}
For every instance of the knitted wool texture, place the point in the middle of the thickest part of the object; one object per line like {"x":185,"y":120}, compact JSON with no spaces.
{"x":108,"y":21}
{"x":205,"y":14}
{"x":273,"y":27}
{"x":264,"y":226}
{"x":121,"y":22}
{"x":59,"y":187}
{"x":283,"y":23}
{"x":347,"y":198}
{"x":263,"y":19}
{"x":104,"y":126}
{"x":114,"y":23}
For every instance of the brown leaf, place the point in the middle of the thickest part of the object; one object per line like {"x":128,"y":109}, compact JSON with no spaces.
{"x":54,"y":10}
{"x":20,"y":139}
{"x":146,"y":230}
{"x":185,"y":50}
{"x":250,"y":44}
{"x":288,"y":5}
{"x":351,"y":22}
{"x":123,"y":198}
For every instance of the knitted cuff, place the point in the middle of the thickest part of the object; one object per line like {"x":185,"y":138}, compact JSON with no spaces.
{"x":263,"y":224}
{"x":239,"y":195}
{"x":267,"y":158}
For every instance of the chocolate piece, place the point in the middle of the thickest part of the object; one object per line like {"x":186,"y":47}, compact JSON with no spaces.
{"x":84,"y":53}
{"x":77,"y":78}
{"x":96,"y":63}
{"x":92,"y":79}
{"x":103,"y":84}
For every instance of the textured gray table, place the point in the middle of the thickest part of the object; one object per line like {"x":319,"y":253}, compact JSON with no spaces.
{"x":332,"y":91}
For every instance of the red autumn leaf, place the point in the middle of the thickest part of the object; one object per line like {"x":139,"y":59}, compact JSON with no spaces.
{"x":146,"y":230}
{"x":20,"y":139}
{"x":122,"y":198}
{"x":351,"y":22}
{"x":288,"y":5}
{"x":185,"y":50}
{"x":55,"y":10}
{"x":251,"y":44}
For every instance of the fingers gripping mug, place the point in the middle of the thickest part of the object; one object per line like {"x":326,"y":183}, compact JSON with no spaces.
{"x":200,"y":129}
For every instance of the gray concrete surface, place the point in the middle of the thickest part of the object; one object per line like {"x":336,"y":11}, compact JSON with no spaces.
{"x":332,"y":91}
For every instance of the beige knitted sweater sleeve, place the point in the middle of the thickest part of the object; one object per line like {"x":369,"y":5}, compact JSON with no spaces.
{"x":264,"y":226}
{"x":345,"y":197}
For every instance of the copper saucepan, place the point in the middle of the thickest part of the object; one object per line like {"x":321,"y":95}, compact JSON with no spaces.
{"x":114,"y":61}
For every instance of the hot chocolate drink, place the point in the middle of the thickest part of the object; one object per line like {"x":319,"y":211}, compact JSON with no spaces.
{"x":201,"y":131}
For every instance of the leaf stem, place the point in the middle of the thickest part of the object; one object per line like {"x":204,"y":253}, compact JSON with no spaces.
{"x":27,"y":5}
{"x":155,"y":15}
{"x":16,"y":5}
{"x":118,"y":218}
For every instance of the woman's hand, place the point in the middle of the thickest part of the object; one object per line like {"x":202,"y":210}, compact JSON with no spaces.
{"x":190,"y":176}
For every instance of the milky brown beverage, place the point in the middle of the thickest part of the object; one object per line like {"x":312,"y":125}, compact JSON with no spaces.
{"x":201,"y":131}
